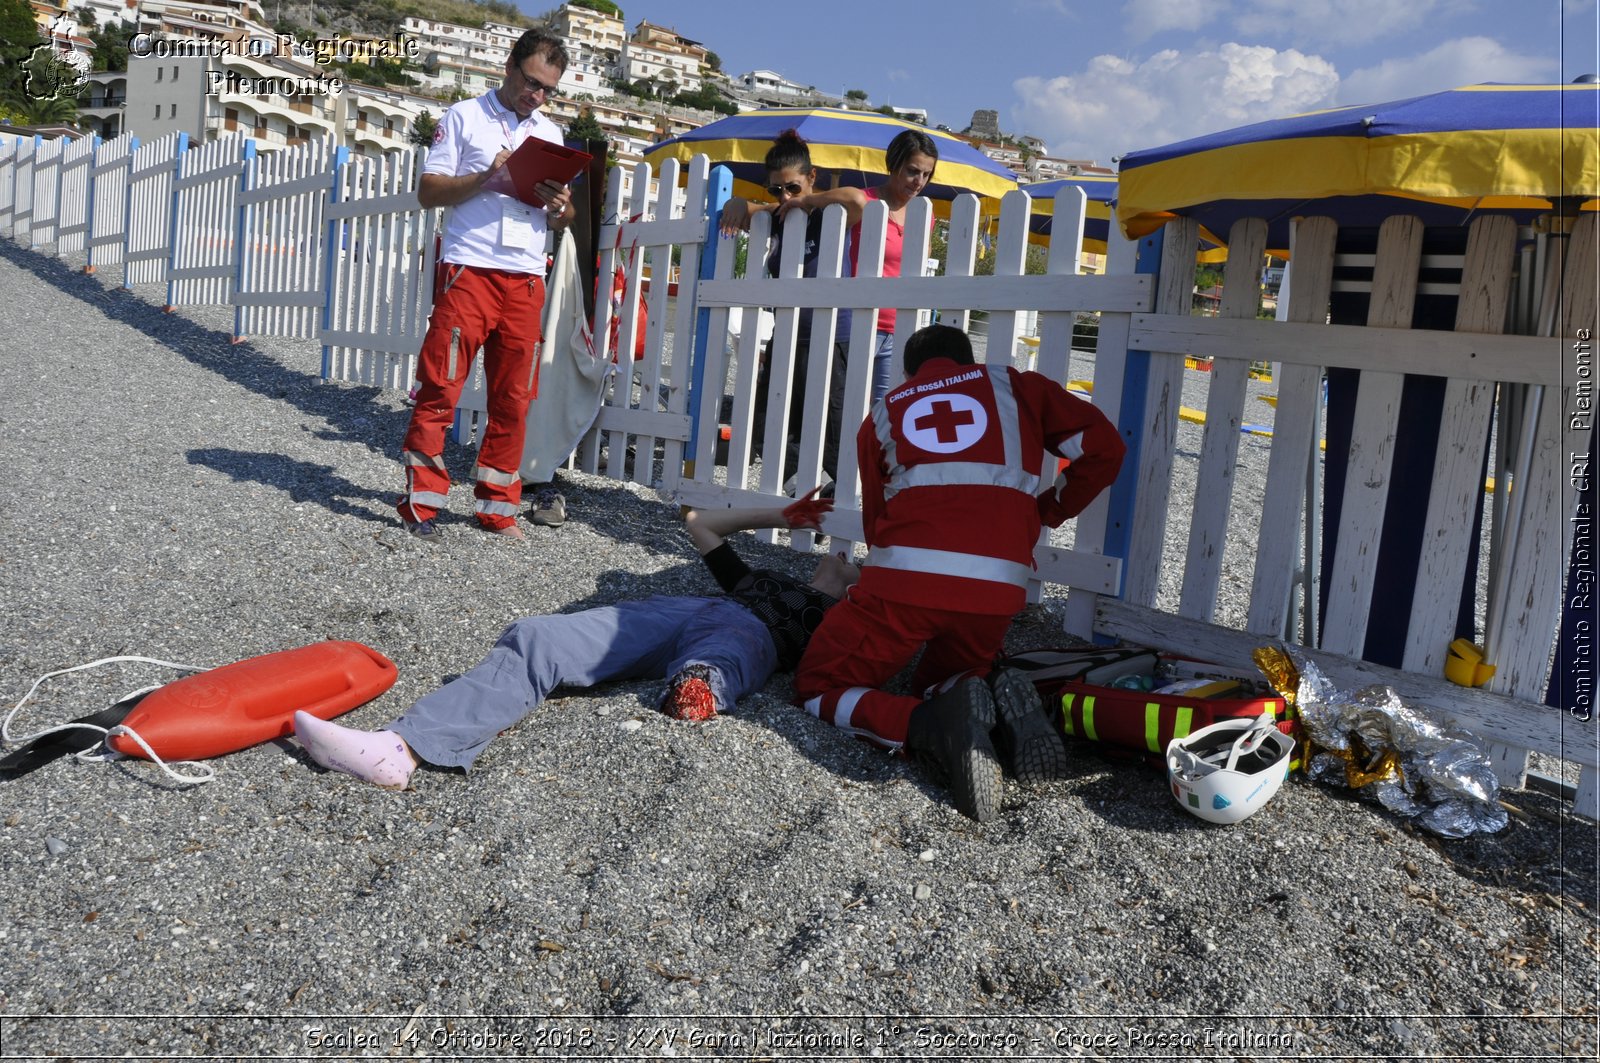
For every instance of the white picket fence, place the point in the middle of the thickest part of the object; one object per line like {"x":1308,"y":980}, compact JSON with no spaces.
{"x":204,"y":262}
{"x":381,"y":281}
{"x":1476,"y":361}
{"x":283,"y":241}
{"x":343,"y":253}
{"x":9,"y":149}
{"x":645,"y":220}
{"x":152,"y":173}
{"x":110,"y":203}
{"x":22,"y":190}
{"x":76,"y":204}
{"x":46,"y":193}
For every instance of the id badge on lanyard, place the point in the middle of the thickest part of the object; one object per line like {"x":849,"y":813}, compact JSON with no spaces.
{"x":516,"y":224}
{"x":516,"y":217}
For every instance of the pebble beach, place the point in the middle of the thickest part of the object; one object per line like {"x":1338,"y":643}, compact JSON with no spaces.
{"x":608,"y":882}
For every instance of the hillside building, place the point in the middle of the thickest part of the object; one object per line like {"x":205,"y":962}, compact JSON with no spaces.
{"x":671,"y":70}
{"x":594,"y":31}
{"x":103,"y":102}
{"x":768,"y":88}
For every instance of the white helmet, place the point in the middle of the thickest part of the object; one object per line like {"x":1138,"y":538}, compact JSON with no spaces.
{"x":1227,"y":771}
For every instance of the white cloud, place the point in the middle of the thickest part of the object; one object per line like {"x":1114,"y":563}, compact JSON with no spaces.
{"x":1146,"y":18}
{"x":1330,"y":23}
{"x":1116,"y":105}
{"x":1465,"y":61}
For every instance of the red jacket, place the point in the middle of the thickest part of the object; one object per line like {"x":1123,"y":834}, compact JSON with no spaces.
{"x":954,"y":490}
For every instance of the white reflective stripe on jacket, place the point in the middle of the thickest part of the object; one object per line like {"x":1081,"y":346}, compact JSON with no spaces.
{"x":950,"y":563}
{"x":431,"y":499}
{"x":1010,"y":474}
{"x":1071,"y":447}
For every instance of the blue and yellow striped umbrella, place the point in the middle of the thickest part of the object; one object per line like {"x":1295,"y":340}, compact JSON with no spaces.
{"x":1445,"y":157}
{"x":849,"y":145}
{"x":1102,"y":195}
{"x":1097,"y":212}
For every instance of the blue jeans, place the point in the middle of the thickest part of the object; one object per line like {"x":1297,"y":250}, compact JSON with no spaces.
{"x":653,"y":638}
{"x":882,"y":365}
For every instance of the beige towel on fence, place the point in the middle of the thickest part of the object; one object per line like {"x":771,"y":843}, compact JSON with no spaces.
{"x":570,"y":381}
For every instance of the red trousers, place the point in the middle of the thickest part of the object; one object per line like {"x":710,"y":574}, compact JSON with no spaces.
{"x":498,"y":311}
{"x":864,"y":641}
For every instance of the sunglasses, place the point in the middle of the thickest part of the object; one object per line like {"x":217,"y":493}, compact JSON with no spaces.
{"x":794,"y":188}
{"x":534,"y":84}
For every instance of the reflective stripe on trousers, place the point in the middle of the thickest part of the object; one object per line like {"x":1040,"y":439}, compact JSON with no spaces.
{"x":432,"y":461}
{"x":484,"y":474}
{"x":494,"y":508}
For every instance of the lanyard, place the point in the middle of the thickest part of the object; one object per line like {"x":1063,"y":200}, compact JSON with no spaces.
{"x":500,"y":113}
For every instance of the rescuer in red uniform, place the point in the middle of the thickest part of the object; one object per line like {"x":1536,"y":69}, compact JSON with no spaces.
{"x":490,"y":289}
{"x":954,"y":496}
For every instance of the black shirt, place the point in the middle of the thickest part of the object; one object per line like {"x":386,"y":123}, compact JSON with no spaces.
{"x":808,"y":268}
{"x":791,"y":610}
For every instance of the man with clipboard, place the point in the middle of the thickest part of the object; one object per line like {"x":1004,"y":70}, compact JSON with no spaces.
{"x":489,"y":288}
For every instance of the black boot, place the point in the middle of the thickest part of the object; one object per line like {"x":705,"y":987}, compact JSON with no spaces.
{"x":1028,"y":745}
{"x":952,"y":732}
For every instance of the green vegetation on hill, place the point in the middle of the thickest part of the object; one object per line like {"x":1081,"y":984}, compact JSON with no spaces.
{"x":325,"y":17}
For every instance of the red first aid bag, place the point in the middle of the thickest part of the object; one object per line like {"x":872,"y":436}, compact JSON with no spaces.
{"x":1074,"y":685}
{"x":1145,"y":722}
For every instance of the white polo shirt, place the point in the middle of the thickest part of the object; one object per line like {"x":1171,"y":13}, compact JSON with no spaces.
{"x":491,"y":230}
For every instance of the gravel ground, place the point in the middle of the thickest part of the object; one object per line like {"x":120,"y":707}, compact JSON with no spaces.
{"x":607,"y":881}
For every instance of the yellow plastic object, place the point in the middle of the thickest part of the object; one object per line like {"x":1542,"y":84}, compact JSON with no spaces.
{"x":1465,"y":665}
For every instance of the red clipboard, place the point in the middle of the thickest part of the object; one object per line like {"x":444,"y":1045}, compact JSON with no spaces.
{"x":537,"y":160}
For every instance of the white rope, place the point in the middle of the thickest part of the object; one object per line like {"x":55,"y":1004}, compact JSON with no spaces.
{"x":205,"y":772}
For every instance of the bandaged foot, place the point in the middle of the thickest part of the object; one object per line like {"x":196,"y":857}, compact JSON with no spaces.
{"x":381,"y":758}
{"x":689,"y":695}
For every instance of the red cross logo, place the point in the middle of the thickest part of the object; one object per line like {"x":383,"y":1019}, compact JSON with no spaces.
{"x":945,"y":423}
{"x":944,"y":420}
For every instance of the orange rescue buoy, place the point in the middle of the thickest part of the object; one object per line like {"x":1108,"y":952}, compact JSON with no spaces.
{"x":253,"y":701}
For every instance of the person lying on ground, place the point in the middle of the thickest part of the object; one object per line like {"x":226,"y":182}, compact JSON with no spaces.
{"x":713,"y":650}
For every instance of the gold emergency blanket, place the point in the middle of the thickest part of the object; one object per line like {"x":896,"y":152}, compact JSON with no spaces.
{"x":1396,"y":754}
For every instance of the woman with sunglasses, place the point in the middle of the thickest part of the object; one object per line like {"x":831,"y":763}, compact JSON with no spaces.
{"x":911,"y":158}
{"x":791,"y":177}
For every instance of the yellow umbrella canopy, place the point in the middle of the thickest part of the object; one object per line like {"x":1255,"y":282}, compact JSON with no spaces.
{"x":1445,"y":157}
{"x":848,"y":145}
{"x":1101,"y":193}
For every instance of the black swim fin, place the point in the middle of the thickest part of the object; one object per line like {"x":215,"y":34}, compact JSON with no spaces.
{"x":57,"y":744}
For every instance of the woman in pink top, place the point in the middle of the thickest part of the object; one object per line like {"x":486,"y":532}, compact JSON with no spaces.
{"x":911,"y":157}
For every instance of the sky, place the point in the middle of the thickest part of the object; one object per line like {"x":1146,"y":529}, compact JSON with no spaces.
{"x":1096,"y":79}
